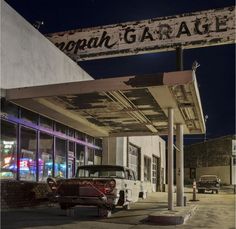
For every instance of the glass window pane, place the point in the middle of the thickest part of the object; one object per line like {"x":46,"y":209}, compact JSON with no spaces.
{"x":45,"y":156}
{"x":28,"y":155}
{"x":71,"y":132}
{"x":71,"y":160}
{"x":46,"y":122}
{"x":29,"y":116}
{"x":8,"y":158}
{"x":60,"y":158}
{"x":90,"y":156}
{"x":90,"y":139}
{"x":80,"y":155}
{"x":9,"y":108}
{"x":134,"y":159}
{"x":61,"y":128}
{"x":98,"y":142}
{"x":97,"y":160}
{"x":79,"y":135}
{"x":147,"y":168}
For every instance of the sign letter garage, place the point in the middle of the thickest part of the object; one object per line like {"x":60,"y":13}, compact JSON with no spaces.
{"x":198,"y":29}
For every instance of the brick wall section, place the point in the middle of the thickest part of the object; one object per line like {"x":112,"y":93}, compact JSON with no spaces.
{"x":16,"y":194}
{"x":215,"y":152}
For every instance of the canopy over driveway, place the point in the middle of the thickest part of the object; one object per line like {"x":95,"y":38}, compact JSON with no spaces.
{"x":123,"y":106}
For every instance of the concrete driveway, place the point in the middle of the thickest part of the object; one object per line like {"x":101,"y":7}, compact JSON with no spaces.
{"x":213,"y":211}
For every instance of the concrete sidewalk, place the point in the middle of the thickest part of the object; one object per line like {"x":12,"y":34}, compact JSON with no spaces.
{"x":213,"y":211}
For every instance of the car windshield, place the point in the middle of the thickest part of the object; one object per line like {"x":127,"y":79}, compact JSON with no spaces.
{"x":208,"y":178}
{"x":100,"y":172}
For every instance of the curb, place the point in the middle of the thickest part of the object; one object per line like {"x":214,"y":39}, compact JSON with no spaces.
{"x":171,"y":219}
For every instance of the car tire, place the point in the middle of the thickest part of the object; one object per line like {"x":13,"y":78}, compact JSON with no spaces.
{"x":104,"y":212}
{"x":64,"y":206}
{"x":126,"y":206}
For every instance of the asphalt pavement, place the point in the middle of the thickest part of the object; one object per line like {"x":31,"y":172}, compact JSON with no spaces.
{"x":212,"y":211}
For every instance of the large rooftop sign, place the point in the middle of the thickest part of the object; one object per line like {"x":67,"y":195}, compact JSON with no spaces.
{"x":198,"y":29}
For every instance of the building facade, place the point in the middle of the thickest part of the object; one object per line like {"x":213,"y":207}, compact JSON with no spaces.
{"x":214,"y":157}
{"x":35,"y":146}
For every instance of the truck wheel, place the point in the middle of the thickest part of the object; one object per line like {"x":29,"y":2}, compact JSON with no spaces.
{"x":217,"y":191}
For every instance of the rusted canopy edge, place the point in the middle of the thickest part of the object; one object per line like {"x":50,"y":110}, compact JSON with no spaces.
{"x":101,"y":85}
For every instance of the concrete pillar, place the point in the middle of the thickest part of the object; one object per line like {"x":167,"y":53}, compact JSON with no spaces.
{"x":179,"y":166}
{"x":170,"y":158}
{"x":114,"y":151}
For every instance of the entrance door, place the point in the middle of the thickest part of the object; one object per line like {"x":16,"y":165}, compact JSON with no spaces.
{"x":154,"y":173}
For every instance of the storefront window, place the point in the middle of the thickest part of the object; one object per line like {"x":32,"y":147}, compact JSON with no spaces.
{"x":90,"y":156}
{"x":60,"y":158}
{"x":71,"y":132}
{"x":45,"y":156}
{"x":46,"y":122}
{"x":61,"y":128}
{"x":9,"y":108}
{"x":98,"y":142}
{"x":80,"y":155}
{"x":71,"y":160}
{"x":79,"y":135}
{"x":28,"y":154}
{"x":8,"y":156}
{"x":98,"y":157}
{"x":90,"y":139}
{"x":29,"y":116}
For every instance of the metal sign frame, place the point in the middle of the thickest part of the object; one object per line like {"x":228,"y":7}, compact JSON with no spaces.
{"x":192,"y":30}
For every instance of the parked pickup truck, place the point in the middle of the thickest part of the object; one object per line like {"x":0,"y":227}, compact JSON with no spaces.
{"x":104,"y":186}
{"x":208,"y":183}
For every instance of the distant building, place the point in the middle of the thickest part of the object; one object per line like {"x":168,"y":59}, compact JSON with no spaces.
{"x":216,"y":156}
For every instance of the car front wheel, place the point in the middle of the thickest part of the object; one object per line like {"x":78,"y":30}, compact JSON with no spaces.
{"x":104,"y":212}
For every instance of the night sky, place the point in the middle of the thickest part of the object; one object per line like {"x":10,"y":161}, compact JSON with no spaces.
{"x":216,"y":75}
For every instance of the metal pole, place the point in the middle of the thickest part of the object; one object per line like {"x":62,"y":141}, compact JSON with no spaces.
{"x":179,"y":58}
{"x":170,"y":158}
{"x":179,"y":166}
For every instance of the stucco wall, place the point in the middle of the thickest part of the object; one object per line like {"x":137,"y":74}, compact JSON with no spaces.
{"x":30,"y":59}
{"x":115,"y":150}
{"x":150,"y":145}
{"x":223,"y":172}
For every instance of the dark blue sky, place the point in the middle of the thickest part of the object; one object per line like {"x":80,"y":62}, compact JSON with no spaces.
{"x":216,"y":75}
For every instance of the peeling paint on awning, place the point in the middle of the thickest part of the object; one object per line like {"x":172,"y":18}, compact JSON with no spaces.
{"x":123,"y":106}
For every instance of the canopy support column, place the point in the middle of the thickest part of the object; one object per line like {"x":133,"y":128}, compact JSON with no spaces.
{"x":179,"y":165}
{"x":170,"y":157}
